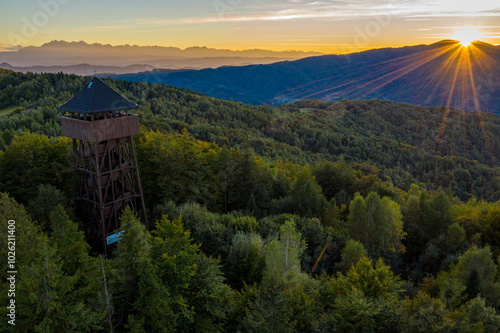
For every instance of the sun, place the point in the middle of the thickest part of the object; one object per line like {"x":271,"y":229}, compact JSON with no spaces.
{"x":467,"y":35}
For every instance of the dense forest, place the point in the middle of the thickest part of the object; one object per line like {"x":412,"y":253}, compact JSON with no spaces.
{"x":401,"y":143}
{"x":363,"y":216}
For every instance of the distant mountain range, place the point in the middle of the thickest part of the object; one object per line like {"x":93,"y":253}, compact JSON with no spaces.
{"x":443,"y":73}
{"x":79,"y":69}
{"x":74,"y":57}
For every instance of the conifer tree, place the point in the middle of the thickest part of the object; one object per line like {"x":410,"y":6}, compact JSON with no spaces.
{"x":133,"y":247}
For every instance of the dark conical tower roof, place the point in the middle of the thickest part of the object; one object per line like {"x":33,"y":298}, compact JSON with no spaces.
{"x":97,"y":97}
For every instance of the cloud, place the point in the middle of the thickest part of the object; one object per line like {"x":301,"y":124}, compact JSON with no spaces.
{"x":303,"y":11}
{"x":452,"y":14}
{"x":104,"y":28}
{"x":336,"y":11}
{"x":4,"y":47}
{"x":287,"y":11}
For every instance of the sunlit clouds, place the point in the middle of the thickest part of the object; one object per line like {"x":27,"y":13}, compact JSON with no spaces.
{"x":342,"y":26}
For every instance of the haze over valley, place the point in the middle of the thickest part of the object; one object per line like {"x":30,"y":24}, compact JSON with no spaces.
{"x":81,"y":58}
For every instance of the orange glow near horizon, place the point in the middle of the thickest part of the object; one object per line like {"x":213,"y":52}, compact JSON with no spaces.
{"x":330,"y":27}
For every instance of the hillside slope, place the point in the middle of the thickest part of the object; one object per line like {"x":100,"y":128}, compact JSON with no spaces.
{"x":435,"y":146}
{"x":444,"y":73}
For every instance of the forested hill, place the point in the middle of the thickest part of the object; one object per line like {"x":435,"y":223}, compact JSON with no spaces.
{"x":306,"y":217}
{"x":443,"y":73}
{"x":436,"y":146}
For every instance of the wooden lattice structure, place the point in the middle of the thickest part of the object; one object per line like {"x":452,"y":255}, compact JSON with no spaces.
{"x":106,"y":175}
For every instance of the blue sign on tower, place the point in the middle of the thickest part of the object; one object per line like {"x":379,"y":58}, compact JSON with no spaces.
{"x":113,"y":238}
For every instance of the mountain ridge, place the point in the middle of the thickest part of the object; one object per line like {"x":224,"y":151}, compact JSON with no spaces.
{"x":79,"y":69}
{"x":62,"y":53}
{"x":424,"y":75}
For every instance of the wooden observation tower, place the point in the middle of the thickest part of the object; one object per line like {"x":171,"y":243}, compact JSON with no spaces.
{"x":105,"y":172}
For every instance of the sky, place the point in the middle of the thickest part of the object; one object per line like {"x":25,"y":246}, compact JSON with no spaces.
{"x":342,"y":26}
